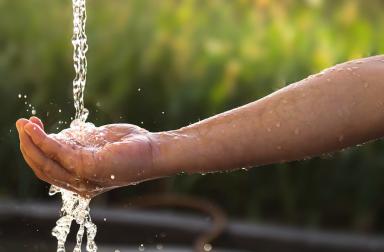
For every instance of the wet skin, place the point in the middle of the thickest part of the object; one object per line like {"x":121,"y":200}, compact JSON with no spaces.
{"x":340,"y":107}
{"x":122,"y":157}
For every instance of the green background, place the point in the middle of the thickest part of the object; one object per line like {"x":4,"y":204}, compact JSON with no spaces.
{"x":192,"y":59}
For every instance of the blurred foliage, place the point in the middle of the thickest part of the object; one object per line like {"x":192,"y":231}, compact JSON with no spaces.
{"x":191,"y":59}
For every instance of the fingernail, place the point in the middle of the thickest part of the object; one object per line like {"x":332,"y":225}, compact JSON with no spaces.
{"x":20,"y":123}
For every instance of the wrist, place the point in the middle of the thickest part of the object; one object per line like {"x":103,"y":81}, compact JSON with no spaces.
{"x":174,"y":152}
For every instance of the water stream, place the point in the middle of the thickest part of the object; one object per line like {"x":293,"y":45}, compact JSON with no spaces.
{"x":76,"y":208}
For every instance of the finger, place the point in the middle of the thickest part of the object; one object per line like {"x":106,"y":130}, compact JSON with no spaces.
{"x":34,"y":168}
{"x":39,"y":173}
{"x":47,"y":179}
{"x":50,"y":147}
{"x":37,"y":121}
{"x":21,"y":123}
{"x":47,"y":166}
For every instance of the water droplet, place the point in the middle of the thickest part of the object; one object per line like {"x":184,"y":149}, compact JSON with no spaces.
{"x":269,"y":129}
{"x":163,"y":112}
{"x":105,"y":219}
{"x":141,"y":247}
{"x":25,"y":96}
{"x":112,"y":176}
{"x":207,"y":247}
{"x":59,"y":110}
{"x":33,"y":112}
{"x":20,"y":96}
{"x":139,"y":89}
{"x":278,"y":125}
{"x":116,"y":250}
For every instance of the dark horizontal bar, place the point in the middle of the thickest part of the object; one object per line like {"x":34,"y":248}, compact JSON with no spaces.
{"x":135,"y":226}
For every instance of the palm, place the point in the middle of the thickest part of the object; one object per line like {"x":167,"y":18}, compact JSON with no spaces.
{"x":110,"y":156}
{"x":97,"y":160}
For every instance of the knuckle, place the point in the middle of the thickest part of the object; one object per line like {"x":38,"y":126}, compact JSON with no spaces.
{"x":70,"y":163}
{"x":47,"y":167}
{"x":53,"y":156}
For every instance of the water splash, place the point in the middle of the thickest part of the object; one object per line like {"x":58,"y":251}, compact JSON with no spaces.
{"x":76,"y":208}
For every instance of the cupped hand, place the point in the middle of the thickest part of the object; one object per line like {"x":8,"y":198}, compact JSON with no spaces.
{"x":104,"y":158}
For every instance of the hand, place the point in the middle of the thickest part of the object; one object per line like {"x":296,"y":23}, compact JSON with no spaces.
{"x":111,"y":156}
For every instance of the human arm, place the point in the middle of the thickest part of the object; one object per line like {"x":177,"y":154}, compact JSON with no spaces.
{"x":339,"y":107}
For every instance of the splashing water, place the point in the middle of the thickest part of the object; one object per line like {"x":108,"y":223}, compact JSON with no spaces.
{"x":75,"y":207}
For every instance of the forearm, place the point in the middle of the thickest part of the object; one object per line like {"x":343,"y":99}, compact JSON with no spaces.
{"x":340,"y":107}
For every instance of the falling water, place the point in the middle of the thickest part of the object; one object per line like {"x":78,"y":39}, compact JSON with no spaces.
{"x":76,"y":208}
{"x":80,"y":47}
